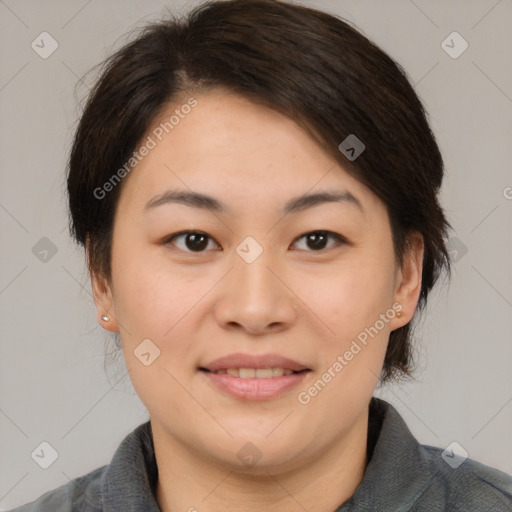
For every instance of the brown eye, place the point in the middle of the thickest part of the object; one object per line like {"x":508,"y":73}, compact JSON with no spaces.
{"x":196,"y":241}
{"x":317,"y":240}
{"x":193,"y":241}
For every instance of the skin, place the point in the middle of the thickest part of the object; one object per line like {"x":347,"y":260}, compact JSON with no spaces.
{"x":304,"y":303}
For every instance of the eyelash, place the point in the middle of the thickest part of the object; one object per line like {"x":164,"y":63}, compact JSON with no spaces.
{"x":339,"y":239}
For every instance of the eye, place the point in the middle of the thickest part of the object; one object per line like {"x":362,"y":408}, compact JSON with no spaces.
{"x":197,"y":241}
{"x":194,"y":241}
{"x":318,"y":239}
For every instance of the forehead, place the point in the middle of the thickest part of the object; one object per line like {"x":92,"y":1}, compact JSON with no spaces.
{"x":235,"y":149}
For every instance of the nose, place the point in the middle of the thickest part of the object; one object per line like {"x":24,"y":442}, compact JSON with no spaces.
{"x":256,"y":298}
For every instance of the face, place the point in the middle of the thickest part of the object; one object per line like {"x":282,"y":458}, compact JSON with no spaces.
{"x":302,"y":295}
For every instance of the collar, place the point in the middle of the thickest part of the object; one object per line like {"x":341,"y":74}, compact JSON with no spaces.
{"x":129,"y":481}
{"x":399,"y":470}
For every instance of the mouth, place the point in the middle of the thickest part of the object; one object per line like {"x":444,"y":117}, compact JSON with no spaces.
{"x":251,"y":377}
{"x":255,"y":373}
{"x":266,"y":364}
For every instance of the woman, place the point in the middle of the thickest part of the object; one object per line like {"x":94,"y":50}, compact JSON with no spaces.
{"x":256,"y":188}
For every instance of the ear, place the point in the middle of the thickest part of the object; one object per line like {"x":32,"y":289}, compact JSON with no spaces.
{"x":408,"y":280}
{"x":103,"y":298}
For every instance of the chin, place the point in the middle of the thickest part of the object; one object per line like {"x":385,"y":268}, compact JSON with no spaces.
{"x":257,"y":454}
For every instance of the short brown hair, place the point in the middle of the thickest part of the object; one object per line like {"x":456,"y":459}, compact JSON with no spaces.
{"x":307,"y":64}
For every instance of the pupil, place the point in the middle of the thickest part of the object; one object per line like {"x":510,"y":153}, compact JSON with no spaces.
{"x":196,"y":241}
{"x":317,"y":240}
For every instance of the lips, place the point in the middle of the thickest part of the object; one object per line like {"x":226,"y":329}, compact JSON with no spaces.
{"x":248,"y":361}
{"x":251,"y":377}
{"x":255,"y":373}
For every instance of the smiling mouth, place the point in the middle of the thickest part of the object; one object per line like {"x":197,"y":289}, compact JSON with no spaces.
{"x":255,"y":373}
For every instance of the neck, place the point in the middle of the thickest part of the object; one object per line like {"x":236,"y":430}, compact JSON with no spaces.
{"x":189,"y":482}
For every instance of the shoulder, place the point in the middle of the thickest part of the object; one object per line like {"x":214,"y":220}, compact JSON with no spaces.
{"x":459,"y":484}
{"x":404,"y":474}
{"x":126,"y":481}
{"x":82,"y":493}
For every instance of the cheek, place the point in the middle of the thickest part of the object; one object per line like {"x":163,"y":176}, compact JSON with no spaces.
{"x":351,"y":303}
{"x":351,"y":295}
{"x":152,"y":303}
{"x":149,"y":298}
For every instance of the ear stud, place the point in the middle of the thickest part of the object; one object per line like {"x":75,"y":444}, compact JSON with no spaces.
{"x":105,"y":318}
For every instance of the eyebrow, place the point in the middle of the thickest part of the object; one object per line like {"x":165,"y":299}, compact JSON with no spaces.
{"x":296,"y":204}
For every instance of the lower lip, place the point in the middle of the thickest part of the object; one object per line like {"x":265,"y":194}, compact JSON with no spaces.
{"x":254,"y":389}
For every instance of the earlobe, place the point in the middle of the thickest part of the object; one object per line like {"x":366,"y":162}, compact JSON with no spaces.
{"x":102,"y":294}
{"x":408,"y":286}
{"x":104,"y":301}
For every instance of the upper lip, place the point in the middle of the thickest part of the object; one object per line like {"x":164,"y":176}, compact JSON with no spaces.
{"x":239,"y":360}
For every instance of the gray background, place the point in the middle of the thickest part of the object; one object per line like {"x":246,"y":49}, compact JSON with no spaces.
{"x":53,"y":384}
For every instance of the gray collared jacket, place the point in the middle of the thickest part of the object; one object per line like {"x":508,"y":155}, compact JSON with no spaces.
{"x":402,"y":475}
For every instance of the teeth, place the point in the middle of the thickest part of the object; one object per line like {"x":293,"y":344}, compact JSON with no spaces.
{"x":255,"y":373}
{"x":264,"y":373}
{"x":247,"y":373}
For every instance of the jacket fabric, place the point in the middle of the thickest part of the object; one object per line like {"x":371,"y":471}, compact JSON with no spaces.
{"x":401,"y":475}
